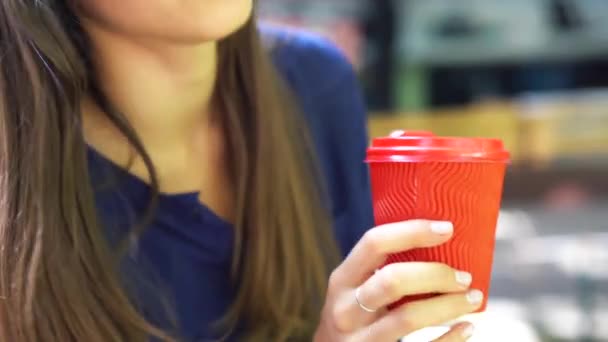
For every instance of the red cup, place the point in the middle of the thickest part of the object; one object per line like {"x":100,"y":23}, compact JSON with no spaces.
{"x":421,"y":176}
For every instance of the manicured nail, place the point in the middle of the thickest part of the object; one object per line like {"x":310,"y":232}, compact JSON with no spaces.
{"x":475,"y":297}
{"x":468,"y":331}
{"x":442,"y":228}
{"x":464,"y":278}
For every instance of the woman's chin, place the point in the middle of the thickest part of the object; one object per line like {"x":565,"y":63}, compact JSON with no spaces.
{"x":189,"y":21}
{"x":220,"y":21}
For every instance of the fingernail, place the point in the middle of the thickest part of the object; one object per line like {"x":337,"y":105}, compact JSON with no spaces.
{"x":475,"y":297}
{"x":442,"y":228}
{"x":464,"y":278}
{"x":468,"y":332}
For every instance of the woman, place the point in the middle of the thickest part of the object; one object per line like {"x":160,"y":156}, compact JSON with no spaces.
{"x":157,"y":182}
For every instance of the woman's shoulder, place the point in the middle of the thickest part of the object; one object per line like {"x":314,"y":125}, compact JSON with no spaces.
{"x":305,"y":59}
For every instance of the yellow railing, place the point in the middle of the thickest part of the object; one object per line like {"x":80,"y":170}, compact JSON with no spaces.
{"x":537,"y":133}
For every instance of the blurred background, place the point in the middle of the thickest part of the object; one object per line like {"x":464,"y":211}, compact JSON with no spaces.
{"x":532,"y":72}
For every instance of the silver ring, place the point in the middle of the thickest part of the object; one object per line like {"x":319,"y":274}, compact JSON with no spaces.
{"x":362,"y":306}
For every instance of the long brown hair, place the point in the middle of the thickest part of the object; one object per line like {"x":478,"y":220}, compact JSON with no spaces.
{"x":58,"y":278}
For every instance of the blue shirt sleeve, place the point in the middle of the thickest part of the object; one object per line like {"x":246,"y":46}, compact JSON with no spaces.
{"x":326,"y":86}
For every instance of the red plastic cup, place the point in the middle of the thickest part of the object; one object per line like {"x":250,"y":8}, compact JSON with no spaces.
{"x":421,"y":176}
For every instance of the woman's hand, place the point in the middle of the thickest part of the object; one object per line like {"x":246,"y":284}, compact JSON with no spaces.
{"x":358,"y":295}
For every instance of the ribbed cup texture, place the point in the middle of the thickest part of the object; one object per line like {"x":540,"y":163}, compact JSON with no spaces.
{"x":467,"y":194}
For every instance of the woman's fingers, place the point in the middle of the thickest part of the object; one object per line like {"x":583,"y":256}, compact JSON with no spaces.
{"x":458,"y":333}
{"x":424,"y":313}
{"x":372,"y":250}
{"x":393,"y":282}
{"x":401,"y":279}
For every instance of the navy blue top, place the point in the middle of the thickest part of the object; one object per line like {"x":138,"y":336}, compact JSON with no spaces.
{"x":187,"y":248}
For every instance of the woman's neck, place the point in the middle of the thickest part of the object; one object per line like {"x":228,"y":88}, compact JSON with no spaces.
{"x":164,"y":90}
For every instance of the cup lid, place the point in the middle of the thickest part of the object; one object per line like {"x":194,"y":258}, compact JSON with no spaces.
{"x":417,"y":146}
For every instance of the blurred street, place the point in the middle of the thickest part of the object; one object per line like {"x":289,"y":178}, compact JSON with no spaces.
{"x":552,"y":266}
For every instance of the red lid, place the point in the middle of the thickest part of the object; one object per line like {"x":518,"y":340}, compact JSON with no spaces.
{"x":416,"y":146}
